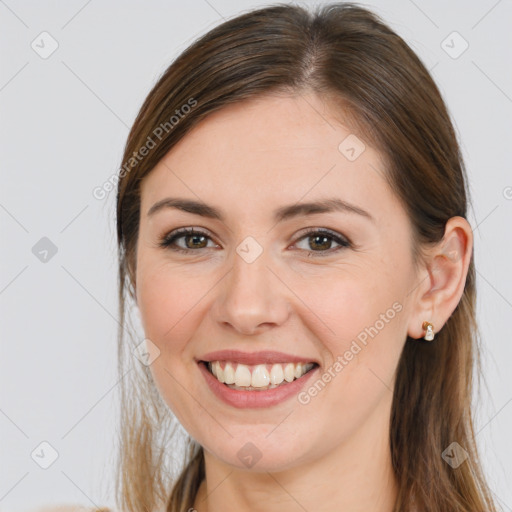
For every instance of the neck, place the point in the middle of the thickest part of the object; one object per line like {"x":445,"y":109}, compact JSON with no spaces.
{"x":356,"y":475}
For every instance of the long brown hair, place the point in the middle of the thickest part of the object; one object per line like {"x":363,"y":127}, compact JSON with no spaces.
{"x":347,"y":54}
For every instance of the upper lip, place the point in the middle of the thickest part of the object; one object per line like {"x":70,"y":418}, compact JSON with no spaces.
{"x":253,"y":358}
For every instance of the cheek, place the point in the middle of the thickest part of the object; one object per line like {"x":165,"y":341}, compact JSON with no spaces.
{"x":167,"y":298}
{"x":363,"y":332}
{"x":168,"y":304}
{"x":358,"y":306}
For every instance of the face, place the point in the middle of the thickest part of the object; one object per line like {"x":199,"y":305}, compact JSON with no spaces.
{"x":272,"y":284}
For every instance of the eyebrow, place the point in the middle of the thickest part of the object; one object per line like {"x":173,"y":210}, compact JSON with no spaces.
{"x":281,"y":214}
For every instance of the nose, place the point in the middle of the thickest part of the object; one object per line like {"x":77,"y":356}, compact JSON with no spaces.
{"x":251,"y":298}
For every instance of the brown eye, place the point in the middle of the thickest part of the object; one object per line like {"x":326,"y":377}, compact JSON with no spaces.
{"x":196,"y":241}
{"x":320,"y":242}
{"x":193,"y":240}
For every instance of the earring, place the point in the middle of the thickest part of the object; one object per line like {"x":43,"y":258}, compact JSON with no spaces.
{"x":429,"y":335}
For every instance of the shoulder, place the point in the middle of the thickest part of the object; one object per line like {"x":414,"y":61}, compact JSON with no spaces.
{"x":70,"y":508}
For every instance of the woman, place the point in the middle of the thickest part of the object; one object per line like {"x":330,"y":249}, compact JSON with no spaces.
{"x":291,"y":219}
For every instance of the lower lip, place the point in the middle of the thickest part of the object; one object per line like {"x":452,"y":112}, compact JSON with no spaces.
{"x":255,"y":399}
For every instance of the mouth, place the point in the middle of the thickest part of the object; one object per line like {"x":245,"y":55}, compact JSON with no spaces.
{"x":259,"y":377}
{"x":256,"y":379}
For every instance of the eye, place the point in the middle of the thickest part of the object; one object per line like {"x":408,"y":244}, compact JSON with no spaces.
{"x":194,"y":239}
{"x":322,"y":240}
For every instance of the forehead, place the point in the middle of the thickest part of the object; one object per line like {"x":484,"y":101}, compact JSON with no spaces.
{"x":278,"y":127}
{"x":272,"y":149}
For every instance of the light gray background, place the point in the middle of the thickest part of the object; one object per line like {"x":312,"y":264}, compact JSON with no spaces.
{"x":64,"y":121}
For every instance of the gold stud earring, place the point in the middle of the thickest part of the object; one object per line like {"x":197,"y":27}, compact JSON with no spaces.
{"x":429,"y":335}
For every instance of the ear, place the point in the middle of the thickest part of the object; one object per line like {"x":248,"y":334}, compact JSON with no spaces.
{"x":442,"y":278}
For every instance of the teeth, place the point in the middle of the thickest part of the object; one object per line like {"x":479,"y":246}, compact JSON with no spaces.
{"x":276,"y":374}
{"x":289,"y":372}
{"x":229,"y":374}
{"x":242,"y":375}
{"x":259,"y":376}
{"x":219,"y":372}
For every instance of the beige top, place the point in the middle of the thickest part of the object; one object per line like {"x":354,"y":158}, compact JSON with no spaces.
{"x":70,"y":508}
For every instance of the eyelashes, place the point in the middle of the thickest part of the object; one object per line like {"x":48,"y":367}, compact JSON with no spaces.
{"x":169,"y":241}
{"x":320,"y":237}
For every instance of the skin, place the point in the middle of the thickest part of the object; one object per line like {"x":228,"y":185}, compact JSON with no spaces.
{"x":247,"y":160}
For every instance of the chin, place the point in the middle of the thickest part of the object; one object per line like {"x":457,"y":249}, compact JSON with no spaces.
{"x":261,"y":452}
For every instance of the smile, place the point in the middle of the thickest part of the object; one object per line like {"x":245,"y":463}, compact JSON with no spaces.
{"x":257,"y":377}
